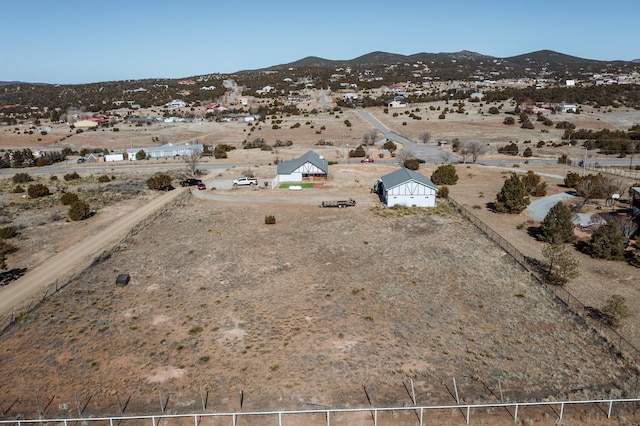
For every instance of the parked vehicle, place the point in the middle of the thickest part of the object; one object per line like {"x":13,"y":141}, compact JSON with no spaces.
{"x":202,"y":186}
{"x":245,"y":181}
{"x":190,"y":182}
{"x":340,"y":203}
{"x":367,"y":160}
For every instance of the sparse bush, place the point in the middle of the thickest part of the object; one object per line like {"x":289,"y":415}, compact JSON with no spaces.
{"x":616,"y":310}
{"x":21,"y":178}
{"x":511,"y":149}
{"x":79,"y":210}
{"x":42,"y":161}
{"x":161,"y":182}
{"x":534,"y":185}
{"x":564,"y":159}
{"x":411,"y":164}
{"x":104,"y":178}
{"x":68,"y":198}
{"x":18,"y":189}
{"x":270,"y":220}
{"x":7,"y":232}
{"x":572,"y":180}
{"x":5,"y":249}
{"x":37,"y":190}
{"x":443,"y":192}
{"x":71,"y":176}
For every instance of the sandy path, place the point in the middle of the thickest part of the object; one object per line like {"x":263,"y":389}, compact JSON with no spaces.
{"x":29,"y":288}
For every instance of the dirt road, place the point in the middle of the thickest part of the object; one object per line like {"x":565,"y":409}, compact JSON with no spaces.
{"x":36,"y":283}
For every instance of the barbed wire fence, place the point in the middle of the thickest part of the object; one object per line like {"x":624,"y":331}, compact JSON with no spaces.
{"x":621,"y":345}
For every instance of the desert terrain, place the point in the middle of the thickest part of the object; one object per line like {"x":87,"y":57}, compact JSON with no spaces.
{"x":324,"y":308}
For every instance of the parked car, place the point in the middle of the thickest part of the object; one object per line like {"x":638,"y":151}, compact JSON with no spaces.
{"x":367,"y":160}
{"x":202,"y":186}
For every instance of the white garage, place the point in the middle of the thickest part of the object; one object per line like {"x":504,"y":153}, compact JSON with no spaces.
{"x":406,"y":188}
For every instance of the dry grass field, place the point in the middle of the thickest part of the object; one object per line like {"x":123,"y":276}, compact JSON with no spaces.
{"x":323,"y":308}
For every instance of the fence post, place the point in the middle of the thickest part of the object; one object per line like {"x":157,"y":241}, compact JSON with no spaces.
{"x":455,"y":388}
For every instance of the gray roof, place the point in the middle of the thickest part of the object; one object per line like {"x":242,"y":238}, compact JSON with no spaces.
{"x":287,"y":167}
{"x":403,"y":175}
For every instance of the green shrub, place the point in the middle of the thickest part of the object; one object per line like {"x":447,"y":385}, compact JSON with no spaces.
{"x":445,"y":175}
{"x":68,"y":198}
{"x":37,"y":190}
{"x":104,"y":178}
{"x":79,"y":210}
{"x":71,"y":176}
{"x":42,"y":161}
{"x":21,"y":178}
{"x":7,"y":232}
{"x":411,"y":164}
{"x":18,"y":189}
{"x":443,"y":192}
{"x":5,"y":249}
{"x":160,"y":182}
{"x":270,"y":220}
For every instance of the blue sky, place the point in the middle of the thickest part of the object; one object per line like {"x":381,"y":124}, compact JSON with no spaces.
{"x":75,"y":42}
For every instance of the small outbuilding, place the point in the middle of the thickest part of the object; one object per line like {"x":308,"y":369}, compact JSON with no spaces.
{"x":406,"y":188}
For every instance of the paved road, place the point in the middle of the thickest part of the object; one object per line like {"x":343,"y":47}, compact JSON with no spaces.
{"x":33,"y":285}
{"x":538,"y":209}
{"x":429,"y":153}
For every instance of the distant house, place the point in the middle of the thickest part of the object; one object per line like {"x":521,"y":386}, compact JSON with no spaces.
{"x":635,"y":200}
{"x":94,"y":157}
{"x":406,"y":188}
{"x":567,"y":108}
{"x":396,"y":103}
{"x":85,"y":124}
{"x":114,"y":157}
{"x":176,"y":103}
{"x":168,"y":150}
{"x":307,"y":167}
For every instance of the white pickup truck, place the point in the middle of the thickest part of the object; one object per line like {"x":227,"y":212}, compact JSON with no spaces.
{"x":245,"y":181}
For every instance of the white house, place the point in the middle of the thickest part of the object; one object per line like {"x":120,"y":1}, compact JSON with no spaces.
{"x":567,"y":108}
{"x":309,"y":166}
{"x":167,"y":150}
{"x":113,"y":157}
{"x":407,"y":188}
{"x":176,"y":103}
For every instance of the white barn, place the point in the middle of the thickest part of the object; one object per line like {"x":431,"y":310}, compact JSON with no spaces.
{"x":407,"y":188}
{"x":309,"y":166}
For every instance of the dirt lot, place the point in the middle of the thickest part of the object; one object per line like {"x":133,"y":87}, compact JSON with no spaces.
{"x":317,"y":309}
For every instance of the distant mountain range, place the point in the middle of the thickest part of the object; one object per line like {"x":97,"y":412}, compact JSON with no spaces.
{"x":542,"y":60}
{"x":541,"y":57}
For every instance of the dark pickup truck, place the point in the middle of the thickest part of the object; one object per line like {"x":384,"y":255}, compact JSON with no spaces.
{"x":190,"y":182}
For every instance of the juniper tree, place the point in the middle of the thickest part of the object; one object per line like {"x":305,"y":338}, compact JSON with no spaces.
{"x":607,"y":242}
{"x":513,"y":197}
{"x":562,"y":266}
{"x":557,"y":226}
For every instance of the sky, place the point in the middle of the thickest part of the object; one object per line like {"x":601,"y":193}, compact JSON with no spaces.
{"x":78,"y":42}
